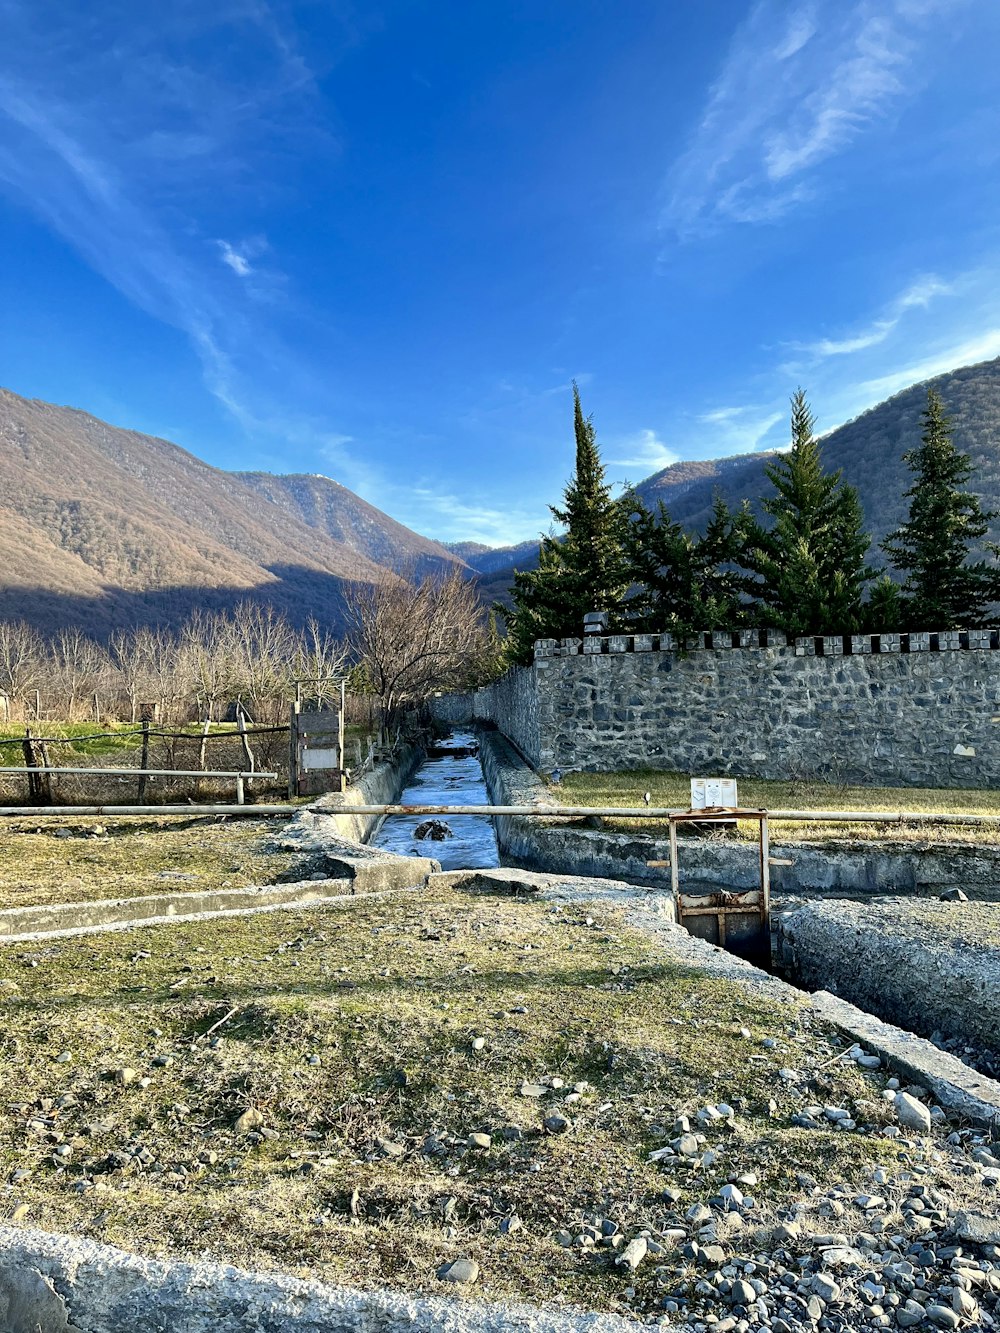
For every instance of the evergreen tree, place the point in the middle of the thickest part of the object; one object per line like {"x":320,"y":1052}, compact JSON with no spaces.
{"x":687,"y":582}
{"x":811,"y":562}
{"x":584,"y":570}
{"x":943,"y":588}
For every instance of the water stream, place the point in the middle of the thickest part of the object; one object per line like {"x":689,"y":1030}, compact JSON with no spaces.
{"x":445,"y":780}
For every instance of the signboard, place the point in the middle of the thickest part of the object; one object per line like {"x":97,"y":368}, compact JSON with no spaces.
{"x":713,"y":793}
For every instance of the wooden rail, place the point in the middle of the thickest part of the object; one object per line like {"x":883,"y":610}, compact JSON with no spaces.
{"x":142,"y":773}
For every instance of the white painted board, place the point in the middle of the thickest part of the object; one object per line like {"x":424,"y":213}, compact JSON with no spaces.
{"x":709,"y":792}
{"x":314,"y":759}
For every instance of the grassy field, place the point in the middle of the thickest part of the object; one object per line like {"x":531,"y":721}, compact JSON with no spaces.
{"x":59,"y":860}
{"x":324,"y":1126}
{"x":673,"y":790}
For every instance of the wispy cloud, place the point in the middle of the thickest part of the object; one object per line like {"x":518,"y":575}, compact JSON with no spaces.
{"x":801,"y":82}
{"x":917,"y":296}
{"x":116,"y":144}
{"x":736,"y":430}
{"x":643,"y":450}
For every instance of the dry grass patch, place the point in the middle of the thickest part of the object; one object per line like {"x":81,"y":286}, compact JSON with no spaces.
{"x":673,"y":790}
{"x":61,"y":860}
{"x":350,"y":1036}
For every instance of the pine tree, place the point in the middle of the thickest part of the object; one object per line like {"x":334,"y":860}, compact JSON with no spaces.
{"x":942,"y":589}
{"x":687,"y":582}
{"x":586,"y":569}
{"x":811,"y":562}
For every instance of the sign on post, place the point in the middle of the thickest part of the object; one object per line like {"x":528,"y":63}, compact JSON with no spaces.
{"x":713,"y":794}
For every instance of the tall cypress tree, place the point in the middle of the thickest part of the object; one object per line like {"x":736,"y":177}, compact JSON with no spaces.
{"x":943,"y":588}
{"x":586,"y":569}
{"x":811,"y":562}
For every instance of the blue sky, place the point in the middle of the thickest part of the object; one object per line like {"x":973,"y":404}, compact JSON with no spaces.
{"x":380,"y":241}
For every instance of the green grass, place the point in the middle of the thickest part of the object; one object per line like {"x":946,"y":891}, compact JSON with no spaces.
{"x":673,"y":790}
{"x":59,"y":860}
{"x":354,"y":1027}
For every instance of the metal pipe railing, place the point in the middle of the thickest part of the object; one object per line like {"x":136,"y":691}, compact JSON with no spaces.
{"x":672,"y":812}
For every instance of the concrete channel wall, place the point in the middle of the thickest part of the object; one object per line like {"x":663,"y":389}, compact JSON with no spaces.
{"x":845,"y":870}
{"x":928,"y":966}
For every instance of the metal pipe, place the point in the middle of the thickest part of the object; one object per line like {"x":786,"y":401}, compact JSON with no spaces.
{"x":668,"y":812}
{"x":69,"y":811}
{"x":141,"y":772}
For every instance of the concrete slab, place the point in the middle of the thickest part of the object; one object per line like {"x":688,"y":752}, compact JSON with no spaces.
{"x":955,"y":1086}
{"x":106,"y":1290}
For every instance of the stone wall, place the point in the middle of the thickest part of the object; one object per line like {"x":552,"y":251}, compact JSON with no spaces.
{"x":512,"y":705}
{"x":896,"y":710}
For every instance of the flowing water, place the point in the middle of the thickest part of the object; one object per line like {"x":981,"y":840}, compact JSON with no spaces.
{"x":445,"y":780}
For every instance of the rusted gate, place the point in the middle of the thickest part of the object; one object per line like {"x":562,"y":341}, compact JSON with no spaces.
{"x":734,"y":919}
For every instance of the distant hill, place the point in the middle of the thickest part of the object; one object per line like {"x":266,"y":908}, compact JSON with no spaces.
{"x":101,"y":527}
{"x":328,"y":507}
{"x":869,"y":449}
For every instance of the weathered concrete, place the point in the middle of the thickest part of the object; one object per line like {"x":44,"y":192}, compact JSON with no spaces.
{"x":330,"y":894}
{"x":956,"y":1087}
{"x":380,"y":786}
{"x":933,"y":967}
{"x":829,"y":867}
{"x":920,"y":718}
{"x":48,"y":1280}
{"x":509,"y":879}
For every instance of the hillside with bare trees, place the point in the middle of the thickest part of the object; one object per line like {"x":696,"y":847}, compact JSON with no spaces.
{"x":103,"y":528}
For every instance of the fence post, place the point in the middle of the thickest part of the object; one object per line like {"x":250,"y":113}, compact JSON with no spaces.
{"x":293,"y":746}
{"x":34,"y":792}
{"x":144,"y":761}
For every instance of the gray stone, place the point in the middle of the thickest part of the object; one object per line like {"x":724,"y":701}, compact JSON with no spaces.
{"x":911,"y":1113}
{"x":459,"y":1270}
{"x":29,"y":1303}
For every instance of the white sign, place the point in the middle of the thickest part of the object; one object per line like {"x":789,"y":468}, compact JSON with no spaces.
{"x":711,"y":793}
{"x":313,"y":760}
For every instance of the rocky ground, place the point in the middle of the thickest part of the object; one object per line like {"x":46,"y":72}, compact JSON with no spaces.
{"x":470,"y":1093}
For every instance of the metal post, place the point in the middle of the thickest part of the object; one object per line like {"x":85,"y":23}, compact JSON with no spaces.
{"x":674,"y":875}
{"x":342,"y":785}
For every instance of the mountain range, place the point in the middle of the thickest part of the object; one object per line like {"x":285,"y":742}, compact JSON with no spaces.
{"x":869,"y":450}
{"x":103,"y":527}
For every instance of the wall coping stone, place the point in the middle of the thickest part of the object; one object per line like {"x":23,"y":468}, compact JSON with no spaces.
{"x":827,"y":645}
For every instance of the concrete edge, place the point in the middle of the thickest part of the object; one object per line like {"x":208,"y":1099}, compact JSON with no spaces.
{"x":955,"y":1086}
{"x":308,"y":903}
{"x":64,"y":1284}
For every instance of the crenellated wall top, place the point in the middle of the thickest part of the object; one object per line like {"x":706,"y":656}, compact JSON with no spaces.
{"x":836,"y":645}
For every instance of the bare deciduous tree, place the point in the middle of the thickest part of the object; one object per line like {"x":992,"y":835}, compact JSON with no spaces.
{"x":410,"y":639}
